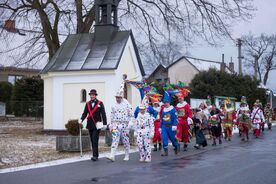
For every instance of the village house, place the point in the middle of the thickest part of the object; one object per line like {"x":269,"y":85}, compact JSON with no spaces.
{"x":185,"y":68}
{"x":90,"y":61}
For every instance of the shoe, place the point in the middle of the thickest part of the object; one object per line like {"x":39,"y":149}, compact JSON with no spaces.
{"x":165,"y":153}
{"x":111,"y":158}
{"x":142,"y":160}
{"x":176,"y":151}
{"x":220,"y":142}
{"x":214,"y":143}
{"x":196,"y":146}
{"x":148,"y":160}
{"x":94,"y":159}
{"x":185,"y":147}
{"x":155,"y":147}
{"x":126,"y":158}
{"x":243,"y":139}
{"x":160,"y":147}
{"x":229,"y":139}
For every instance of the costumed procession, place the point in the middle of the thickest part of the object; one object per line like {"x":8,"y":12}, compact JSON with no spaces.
{"x":164,"y":120}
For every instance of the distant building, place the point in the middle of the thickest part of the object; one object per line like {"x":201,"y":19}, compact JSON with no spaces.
{"x":160,"y":74}
{"x":90,"y":61}
{"x":185,"y":68}
{"x":12,"y":74}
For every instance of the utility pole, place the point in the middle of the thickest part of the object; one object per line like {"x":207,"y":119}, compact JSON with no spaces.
{"x":240,"y":57}
{"x":256,"y":67}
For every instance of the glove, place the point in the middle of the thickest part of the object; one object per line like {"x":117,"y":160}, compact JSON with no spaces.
{"x":135,"y":134}
{"x":190,"y":121}
{"x":174,"y":128}
{"x":80,"y":121}
{"x":104,"y":127}
{"x":151,"y":134}
{"x":160,"y":130}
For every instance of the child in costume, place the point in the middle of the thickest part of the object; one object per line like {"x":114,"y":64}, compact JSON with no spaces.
{"x":157,"y":135}
{"x":229,"y":119}
{"x":144,"y":131}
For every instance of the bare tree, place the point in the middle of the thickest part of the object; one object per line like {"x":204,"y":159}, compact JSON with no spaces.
{"x":156,"y":20}
{"x":260,"y":55}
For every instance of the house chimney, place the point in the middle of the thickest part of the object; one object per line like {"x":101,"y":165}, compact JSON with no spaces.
{"x":232,"y":66}
{"x":222,"y":65}
{"x":10,"y":25}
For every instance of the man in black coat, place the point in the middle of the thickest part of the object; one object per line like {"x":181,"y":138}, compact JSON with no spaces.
{"x":94,"y":112}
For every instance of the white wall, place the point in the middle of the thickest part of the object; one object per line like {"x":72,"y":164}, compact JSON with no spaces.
{"x":62,"y":90}
{"x":182,"y":71}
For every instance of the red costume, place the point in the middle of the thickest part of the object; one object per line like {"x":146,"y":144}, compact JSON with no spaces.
{"x":184,"y":112}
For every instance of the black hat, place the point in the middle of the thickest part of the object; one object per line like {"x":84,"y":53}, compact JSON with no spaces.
{"x":93,"y":92}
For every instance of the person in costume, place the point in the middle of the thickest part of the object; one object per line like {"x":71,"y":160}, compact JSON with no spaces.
{"x":257,"y":118}
{"x":121,"y":114}
{"x":168,"y":125}
{"x":243,"y":104}
{"x":144,"y":131}
{"x":157,"y":140}
{"x":215,"y":122}
{"x":243,"y":117}
{"x":268,"y":115}
{"x":197,"y":120}
{"x":229,"y":119}
{"x":185,"y":115}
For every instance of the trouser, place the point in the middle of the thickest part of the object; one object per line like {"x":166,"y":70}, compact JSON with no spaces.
{"x":121,"y":131}
{"x":143,"y":143}
{"x":257,"y":129}
{"x":157,"y":135}
{"x":182,"y":131}
{"x":167,"y":134}
{"x":228,"y":130}
{"x":244,"y":128}
{"x":94,"y":138}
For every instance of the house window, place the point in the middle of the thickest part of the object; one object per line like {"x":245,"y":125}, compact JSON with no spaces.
{"x":83,"y":95}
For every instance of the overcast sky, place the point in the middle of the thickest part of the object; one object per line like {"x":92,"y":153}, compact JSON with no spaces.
{"x":264,"y":21}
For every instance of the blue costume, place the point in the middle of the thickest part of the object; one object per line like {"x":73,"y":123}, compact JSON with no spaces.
{"x":169,"y":119}
{"x":169,"y":125}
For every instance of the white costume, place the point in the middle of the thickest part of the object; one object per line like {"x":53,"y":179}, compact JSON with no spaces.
{"x":144,"y":129}
{"x":257,"y":117}
{"x":121,"y":114}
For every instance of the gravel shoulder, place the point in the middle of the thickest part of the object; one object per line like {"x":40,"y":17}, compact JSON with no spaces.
{"x":23,"y":143}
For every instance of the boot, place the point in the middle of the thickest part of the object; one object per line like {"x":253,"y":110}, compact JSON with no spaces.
{"x":214,"y":143}
{"x":160,"y":146}
{"x":185,"y":147}
{"x":165,"y":153}
{"x":142,"y":159}
{"x":126,"y":157}
{"x":148,"y":160}
{"x":176,"y":150}
{"x":111,"y":157}
{"x":155,"y":147}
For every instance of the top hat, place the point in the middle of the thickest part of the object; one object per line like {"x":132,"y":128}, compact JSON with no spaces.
{"x":93,"y":92}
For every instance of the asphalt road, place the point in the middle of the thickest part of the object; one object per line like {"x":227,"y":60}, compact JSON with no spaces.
{"x":234,"y":162}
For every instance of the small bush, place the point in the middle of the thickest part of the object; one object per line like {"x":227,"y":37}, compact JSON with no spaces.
{"x":73,"y":127}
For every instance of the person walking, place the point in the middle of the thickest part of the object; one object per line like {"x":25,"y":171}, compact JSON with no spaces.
{"x":94,"y":111}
